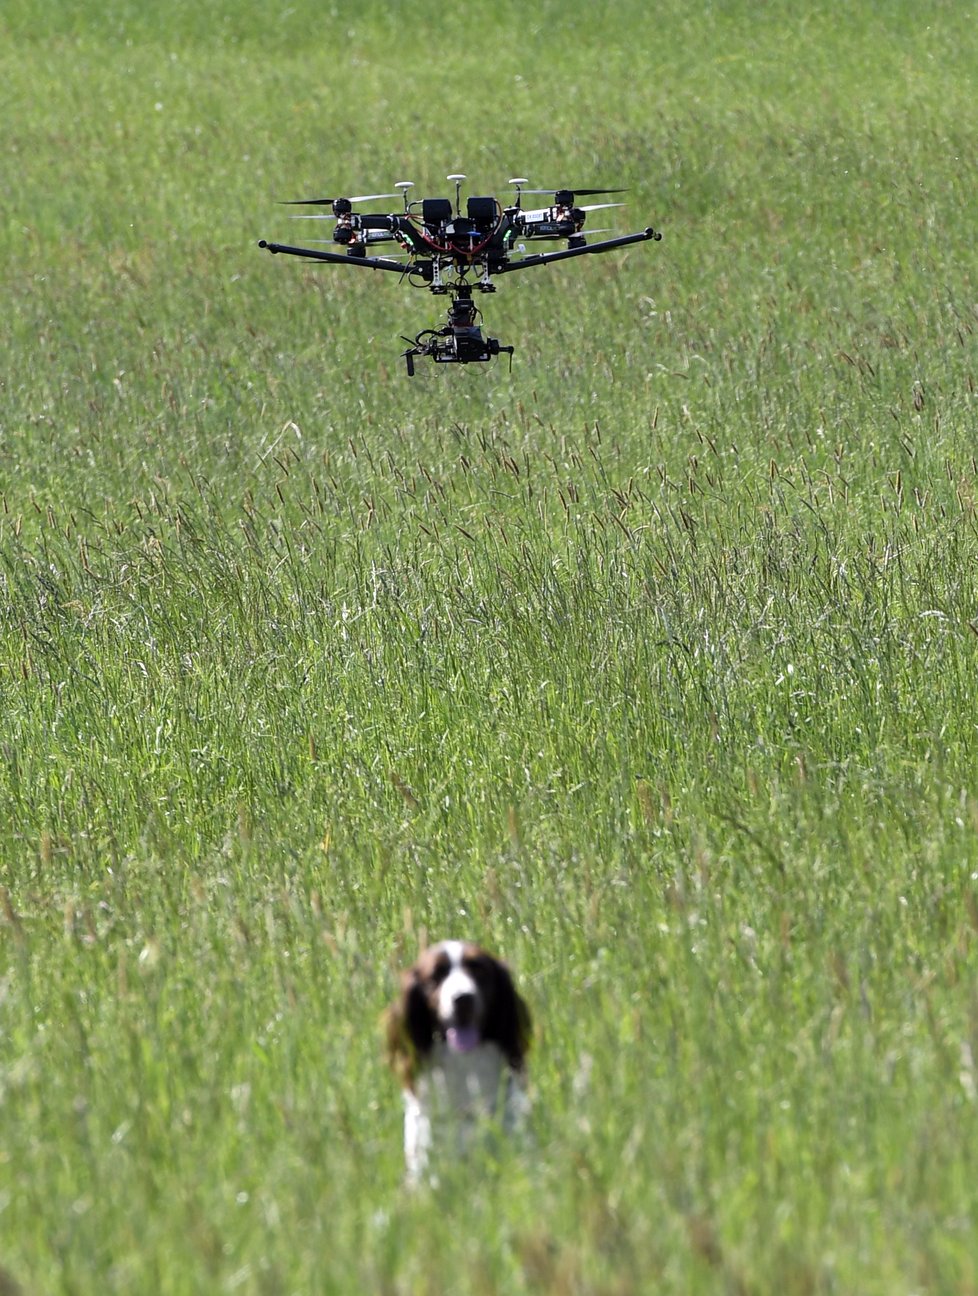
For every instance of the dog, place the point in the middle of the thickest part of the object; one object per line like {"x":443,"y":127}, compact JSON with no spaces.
{"x":457,"y":1039}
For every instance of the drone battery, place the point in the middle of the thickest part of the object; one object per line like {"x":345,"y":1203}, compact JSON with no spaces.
{"x":436,"y":211}
{"x":482,"y":212}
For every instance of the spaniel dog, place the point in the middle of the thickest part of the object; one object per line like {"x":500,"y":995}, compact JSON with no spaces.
{"x":457,"y":1039}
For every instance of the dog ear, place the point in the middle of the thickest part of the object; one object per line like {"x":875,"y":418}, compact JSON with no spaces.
{"x":418,"y":1017}
{"x":508,"y":1020}
{"x":410,"y":1030}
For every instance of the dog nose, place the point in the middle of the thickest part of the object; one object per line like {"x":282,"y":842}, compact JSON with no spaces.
{"x":463,"y":1008}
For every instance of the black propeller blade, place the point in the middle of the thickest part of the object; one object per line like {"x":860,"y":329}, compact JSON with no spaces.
{"x":328,"y":202}
{"x":578,"y":193}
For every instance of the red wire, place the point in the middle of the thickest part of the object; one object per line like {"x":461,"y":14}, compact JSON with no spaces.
{"x":452,"y":252}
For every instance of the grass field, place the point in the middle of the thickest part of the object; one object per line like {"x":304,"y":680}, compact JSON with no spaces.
{"x":652,"y":664}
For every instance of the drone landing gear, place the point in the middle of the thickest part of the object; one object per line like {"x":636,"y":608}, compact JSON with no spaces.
{"x":460,"y":341}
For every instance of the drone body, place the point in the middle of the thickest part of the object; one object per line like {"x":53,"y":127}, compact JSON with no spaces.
{"x":454,"y":254}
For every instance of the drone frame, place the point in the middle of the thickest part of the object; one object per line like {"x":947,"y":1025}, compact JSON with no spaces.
{"x":440,"y":242}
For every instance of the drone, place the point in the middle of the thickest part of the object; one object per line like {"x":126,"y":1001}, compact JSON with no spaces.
{"x":455,"y":255}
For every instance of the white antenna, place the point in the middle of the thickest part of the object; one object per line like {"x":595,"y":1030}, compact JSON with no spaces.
{"x":458,"y":191}
{"x":404,"y":186}
{"x":516,"y":181}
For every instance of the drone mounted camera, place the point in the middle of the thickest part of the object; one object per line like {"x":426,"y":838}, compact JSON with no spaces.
{"x":452,"y":254}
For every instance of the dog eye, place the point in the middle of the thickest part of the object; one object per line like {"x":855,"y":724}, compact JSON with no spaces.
{"x":477,"y":966}
{"x":440,"y":972}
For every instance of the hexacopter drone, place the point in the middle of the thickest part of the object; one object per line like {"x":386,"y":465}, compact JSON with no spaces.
{"x":451,"y":254}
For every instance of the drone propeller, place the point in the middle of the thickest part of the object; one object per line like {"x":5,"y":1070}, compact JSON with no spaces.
{"x":328,"y":202}
{"x":539,"y":213}
{"x":578,"y":193}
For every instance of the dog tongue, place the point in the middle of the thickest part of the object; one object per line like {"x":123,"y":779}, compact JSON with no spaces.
{"x":462,"y":1039}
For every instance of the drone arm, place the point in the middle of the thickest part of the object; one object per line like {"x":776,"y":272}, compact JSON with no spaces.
{"x":341,"y":258}
{"x":543,"y":258}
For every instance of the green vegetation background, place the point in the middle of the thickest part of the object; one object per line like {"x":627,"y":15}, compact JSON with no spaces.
{"x":651,"y":664}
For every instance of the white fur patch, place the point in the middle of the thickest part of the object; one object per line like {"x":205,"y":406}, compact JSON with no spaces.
{"x":454,"y":1095}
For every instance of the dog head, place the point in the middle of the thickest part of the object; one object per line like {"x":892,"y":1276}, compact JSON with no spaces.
{"x":461,"y":995}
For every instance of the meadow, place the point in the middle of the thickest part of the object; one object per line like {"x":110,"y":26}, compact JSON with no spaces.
{"x":651,"y":664}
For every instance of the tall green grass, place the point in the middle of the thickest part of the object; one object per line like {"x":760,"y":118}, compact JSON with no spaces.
{"x":650,"y":664}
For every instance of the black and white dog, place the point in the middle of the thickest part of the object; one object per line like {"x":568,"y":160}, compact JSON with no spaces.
{"x":457,"y":1040}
